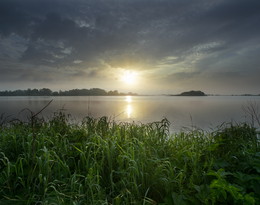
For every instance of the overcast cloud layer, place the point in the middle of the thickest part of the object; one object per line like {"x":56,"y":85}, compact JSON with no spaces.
{"x":176,"y":45}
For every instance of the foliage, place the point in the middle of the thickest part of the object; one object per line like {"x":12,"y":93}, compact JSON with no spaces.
{"x":103,"y":162}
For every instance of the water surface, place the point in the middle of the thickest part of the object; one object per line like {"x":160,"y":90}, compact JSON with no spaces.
{"x":203,"y":112}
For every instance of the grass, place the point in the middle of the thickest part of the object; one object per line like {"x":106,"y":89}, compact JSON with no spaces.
{"x":103,"y":162}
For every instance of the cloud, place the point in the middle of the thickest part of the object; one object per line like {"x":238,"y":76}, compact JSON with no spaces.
{"x":167,"y":37}
{"x":53,"y":27}
{"x":13,"y":20}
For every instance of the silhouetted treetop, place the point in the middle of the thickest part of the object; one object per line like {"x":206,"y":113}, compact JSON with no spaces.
{"x":192,"y":93}
{"x":73,"y":92}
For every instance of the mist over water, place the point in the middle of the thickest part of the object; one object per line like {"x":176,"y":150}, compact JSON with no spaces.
{"x":202,"y":112}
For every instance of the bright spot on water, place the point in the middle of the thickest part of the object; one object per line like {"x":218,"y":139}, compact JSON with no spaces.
{"x":128,"y":99}
{"x":129,"y":110}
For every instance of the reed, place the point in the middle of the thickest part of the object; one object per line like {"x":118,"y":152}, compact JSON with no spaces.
{"x":102,"y":162}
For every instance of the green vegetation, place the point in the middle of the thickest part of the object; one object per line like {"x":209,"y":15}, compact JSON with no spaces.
{"x":103,"y":162}
{"x":73,"y":92}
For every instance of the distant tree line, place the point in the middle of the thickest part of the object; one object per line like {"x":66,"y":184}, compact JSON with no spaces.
{"x":73,"y":92}
{"x":192,"y":93}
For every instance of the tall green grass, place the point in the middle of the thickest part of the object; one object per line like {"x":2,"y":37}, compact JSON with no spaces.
{"x":103,"y":162}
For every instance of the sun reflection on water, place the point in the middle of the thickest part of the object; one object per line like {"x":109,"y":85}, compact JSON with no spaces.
{"x":128,"y":99}
{"x":129,"y":111}
{"x":129,"y":107}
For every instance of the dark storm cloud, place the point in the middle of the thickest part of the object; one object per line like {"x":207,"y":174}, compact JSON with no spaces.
{"x":203,"y":35}
{"x":13,"y":19}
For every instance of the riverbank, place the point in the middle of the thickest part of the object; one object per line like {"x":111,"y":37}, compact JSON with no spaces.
{"x":102,"y":162}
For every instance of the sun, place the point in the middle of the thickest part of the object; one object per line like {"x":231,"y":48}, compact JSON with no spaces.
{"x":129,"y":77}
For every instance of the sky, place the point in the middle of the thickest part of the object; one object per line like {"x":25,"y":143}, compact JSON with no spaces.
{"x":143,"y":46}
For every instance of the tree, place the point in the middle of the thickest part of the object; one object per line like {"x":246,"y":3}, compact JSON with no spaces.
{"x":45,"y":92}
